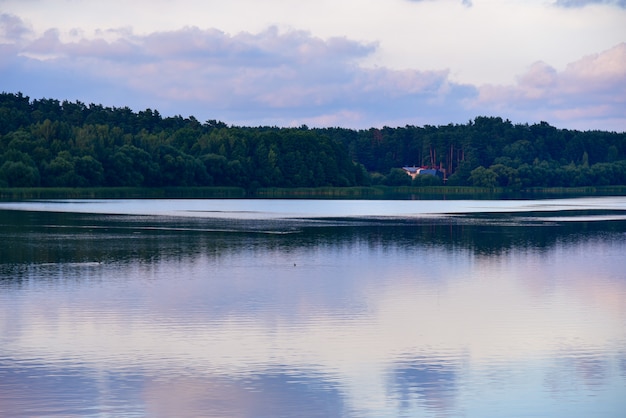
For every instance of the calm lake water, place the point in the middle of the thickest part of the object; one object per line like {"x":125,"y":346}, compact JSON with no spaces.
{"x":313,"y":308}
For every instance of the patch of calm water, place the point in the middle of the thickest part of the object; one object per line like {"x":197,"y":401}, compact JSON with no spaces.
{"x":350,"y":309}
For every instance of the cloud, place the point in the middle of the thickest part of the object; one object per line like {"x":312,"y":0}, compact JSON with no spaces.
{"x":583,"y":3}
{"x":466,"y":3}
{"x":281,"y":76}
{"x":289,"y":77}
{"x":590,"y":89}
{"x":12,"y":28}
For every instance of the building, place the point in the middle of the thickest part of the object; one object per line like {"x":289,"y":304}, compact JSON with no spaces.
{"x":418,"y":171}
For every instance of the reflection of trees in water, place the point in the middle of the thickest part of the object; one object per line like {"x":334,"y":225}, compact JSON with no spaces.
{"x":495,"y":234}
{"x":426,"y":383}
{"x":43,"y":237}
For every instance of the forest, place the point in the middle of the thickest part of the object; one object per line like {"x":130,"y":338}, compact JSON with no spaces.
{"x":52,"y":143}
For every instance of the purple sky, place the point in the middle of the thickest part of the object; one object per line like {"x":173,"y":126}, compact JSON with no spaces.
{"x":349,"y":63}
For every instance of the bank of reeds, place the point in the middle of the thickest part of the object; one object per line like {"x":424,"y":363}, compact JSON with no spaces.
{"x":319,"y":193}
{"x":577,"y":191}
{"x":122,"y":193}
{"x":433,"y":192}
{"x":374,"y":192}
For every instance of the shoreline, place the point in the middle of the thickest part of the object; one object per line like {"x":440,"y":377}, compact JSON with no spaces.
{"x":357,"y":193}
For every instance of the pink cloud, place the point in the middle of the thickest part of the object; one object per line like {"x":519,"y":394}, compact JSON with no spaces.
{"x":287,"y":76}
{"x":590,"y":89}
{"x":279,"y":70}
{"x":598,"y":72}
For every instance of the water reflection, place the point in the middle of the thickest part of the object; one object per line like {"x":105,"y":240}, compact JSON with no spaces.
{"x":35,"y":388}
{"x":426,"y":381}
{"x":468,"y":316}
{"x":273,"y":393}
{"x":44,"y":237}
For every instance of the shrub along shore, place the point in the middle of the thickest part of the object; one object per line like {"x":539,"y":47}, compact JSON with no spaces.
{"x":373,"y":192}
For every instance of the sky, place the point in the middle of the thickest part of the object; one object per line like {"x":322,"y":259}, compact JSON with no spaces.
{"x":347,"y":63}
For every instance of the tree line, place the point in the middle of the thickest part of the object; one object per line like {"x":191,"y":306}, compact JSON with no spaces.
{"x":52,"y":143}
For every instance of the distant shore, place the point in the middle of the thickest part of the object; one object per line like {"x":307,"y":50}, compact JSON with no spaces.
{"x":374,"y":192}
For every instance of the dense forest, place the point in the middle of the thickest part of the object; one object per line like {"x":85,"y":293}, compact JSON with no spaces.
{"x":51,"y":143}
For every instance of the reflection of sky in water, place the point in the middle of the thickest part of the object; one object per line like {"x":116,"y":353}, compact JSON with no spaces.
{"x":36,"y":388}
{"x":324,"y":322}
{"x":266,"y":209}
{"x":41,"y":390}
{"x":424,"y":381}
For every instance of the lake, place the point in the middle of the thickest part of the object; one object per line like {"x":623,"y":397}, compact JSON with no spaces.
{"x":313,"y":308}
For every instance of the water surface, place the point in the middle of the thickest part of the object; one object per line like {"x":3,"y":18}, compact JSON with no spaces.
{"x":269,"y":308}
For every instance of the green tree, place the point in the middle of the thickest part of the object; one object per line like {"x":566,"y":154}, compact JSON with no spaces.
{"x":427,"y":180}
{"x":483,"y":177}
{"x":17,"y":169}
{"x":130,"y":166}
{"x":397,"y":177}
{"x":216,"y":168}
{"x":179,"y":169}
{"x":89,"y":171}
{"x":506,"y":176}
{"x":60,"y":171}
